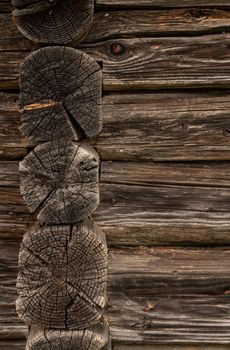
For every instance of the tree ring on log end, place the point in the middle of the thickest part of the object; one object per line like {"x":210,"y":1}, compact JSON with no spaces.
{"x":59,"y":181}
{"x":54,"y":21}
{"x":62,"y":276}
{"x":93,"y":338}
{"x":60,"y":95}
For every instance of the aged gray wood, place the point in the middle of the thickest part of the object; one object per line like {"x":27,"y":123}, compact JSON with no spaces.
{"x":57,"y":22}
{"x":144,"y":127}
{"x":59,"y":181}
{"x":60,"y":94}
{"x":161,"y":3}
{"x":189,"y":289}
{"x":94,"y":338}
{"x":129,"y":24}
{"x":148,"y":63}
{"x":62,"y":276}
{"x":143,"y":203}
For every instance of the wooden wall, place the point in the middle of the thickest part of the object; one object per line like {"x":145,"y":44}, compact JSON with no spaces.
{"x":165,"y":176}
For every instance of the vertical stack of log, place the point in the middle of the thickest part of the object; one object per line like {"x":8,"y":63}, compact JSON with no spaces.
{"x":63,"y":258}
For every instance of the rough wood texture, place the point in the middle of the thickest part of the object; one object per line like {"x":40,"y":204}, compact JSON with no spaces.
{"x":148,"y":63}
{"x":62,"y":276}
{"x":161,"y":3}
{"x":144,"y":127}
{"x":94,"y":338}
{"x":129,"y":24}
{"x":54,"y":22}
{"x":182,"y":203}
{"x":60,"y":94}
{"x":59,"y":180}
{"x":189,"y":288}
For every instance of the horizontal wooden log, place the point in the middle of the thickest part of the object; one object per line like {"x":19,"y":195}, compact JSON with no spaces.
{"x":161,"y":3}
{"x":143,"y":127}
{"x":148,"y":63}
{"x":143,"y":203}
{"x":156,"y":295}
{"x":129,"y":24}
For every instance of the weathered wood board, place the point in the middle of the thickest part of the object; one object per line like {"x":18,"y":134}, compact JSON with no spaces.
{"x":143,"y":127}
{"x":142,"y":203}
{"x":188,"y":288}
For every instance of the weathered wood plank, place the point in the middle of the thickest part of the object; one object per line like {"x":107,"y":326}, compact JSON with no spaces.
{"x":128,"y":24}
{"x":188,"y":289}
{"x":161,"y":3}
{"x":143,"y":203}
{"x":144,"y":127}
{"x":148,"y":63}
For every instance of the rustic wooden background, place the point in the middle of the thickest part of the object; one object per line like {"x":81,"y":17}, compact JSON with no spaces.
{"x":165,"y":176}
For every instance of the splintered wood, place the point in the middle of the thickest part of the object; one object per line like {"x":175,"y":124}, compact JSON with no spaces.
{"x":53,"y":21}
{"x":60,"y":94}
{"x":63,"y":259}
{"x":59,"y":181}
{"x":62,"y":276}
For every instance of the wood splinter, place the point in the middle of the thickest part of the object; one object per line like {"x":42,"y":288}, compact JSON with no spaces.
{"x":93,"y":338}
{"x":59,"y":181}
{"x":53,"y":21}
{"x":60,"y":94}
{"x":62,"y":276}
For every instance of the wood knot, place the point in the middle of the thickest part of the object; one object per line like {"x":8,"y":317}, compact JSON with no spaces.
{"x":196,"y":13}
{"x":117,"y":49}
{"x":227,"y":132}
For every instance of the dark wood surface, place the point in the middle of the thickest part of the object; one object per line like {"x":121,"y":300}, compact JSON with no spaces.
{"x":165,"y":189}
{"x":188,"y":290}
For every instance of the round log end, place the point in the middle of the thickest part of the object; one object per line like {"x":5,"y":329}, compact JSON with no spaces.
{"x":62,"y":276}
{"x":60,"y":94}
{"x":94,"y":338}
{"x":59,"y":181}
{"x":54,"y":21}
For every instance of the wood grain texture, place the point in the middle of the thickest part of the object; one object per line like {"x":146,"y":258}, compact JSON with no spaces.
{"x":59,"y":181}
{"x":188,"y":288}
{"x":144,"y":127}
{"x":148,"y":63}
{"x":62,"y":276}
{"x":161,"y":3}
{"x":57,"y":22}
{"x":60,"y":94}
{"x":94,"y":338}
{"x":143,"y":203}
{"x":130,"y":24}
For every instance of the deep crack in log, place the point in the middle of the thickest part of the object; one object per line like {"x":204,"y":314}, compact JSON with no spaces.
{"x":59,"y":181}
{"x":54,"y":21}
{"x":60,"y":94}
{"x":62,"y":276}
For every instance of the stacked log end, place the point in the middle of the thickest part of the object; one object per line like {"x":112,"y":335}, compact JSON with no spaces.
{"x":63,"y":259}
{"x":53,"y":21}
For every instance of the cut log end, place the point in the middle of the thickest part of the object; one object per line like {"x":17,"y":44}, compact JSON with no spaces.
{"x":94,"y":338}
{"x":62,"y":276}
{"x":60,"y":94}
{"x":54,"y":21}
{"x":59,"y":181}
